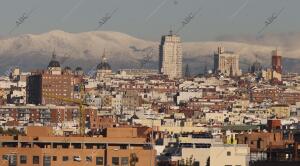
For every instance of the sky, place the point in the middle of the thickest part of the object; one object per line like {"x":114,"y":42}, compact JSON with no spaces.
{"x":149,"y":19}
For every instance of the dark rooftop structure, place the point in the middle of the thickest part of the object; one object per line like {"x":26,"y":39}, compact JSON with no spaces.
{"x":54,"y":62}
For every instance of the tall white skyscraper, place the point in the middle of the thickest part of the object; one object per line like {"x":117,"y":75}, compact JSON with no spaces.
{"x":170,"y":56}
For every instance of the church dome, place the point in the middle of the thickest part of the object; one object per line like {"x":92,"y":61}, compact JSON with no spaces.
{"x":67,"y":68}
{"x":53,"y":62}
{"x":103,"y":65}
{"x":78,"y":69}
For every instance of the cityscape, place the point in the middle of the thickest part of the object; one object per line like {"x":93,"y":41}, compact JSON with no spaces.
{"x":105,"y":98}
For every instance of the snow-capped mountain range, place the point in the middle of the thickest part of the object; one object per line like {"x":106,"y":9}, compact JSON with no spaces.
{"x":123,"y":51}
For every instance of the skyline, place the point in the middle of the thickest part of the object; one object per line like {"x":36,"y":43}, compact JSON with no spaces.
{"x":151,"y":19}
{"x":149,"y":82}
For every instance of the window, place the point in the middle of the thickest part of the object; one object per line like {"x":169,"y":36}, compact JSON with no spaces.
{"x":35,"y":160}
{"x":5,"y":157}
{"x":65,"y":158}
{"x":23,"y":159}
{"x":246,"y":140}
{"x":99,"y":161}
{"x":89,"y":158}
{"x":47,"y":161}
{"x":124,"y":161}
{"x":12,"y":160}
{"x":258,"y":143}
{"x":76,"y":158}
{"x":123,"y":146}
{"x":228,"y":153}
{"x":115,"y":161}
{"x":54,"y":158}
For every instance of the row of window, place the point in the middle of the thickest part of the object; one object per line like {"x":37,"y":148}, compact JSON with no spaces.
{"x":53,"y":90}
{"x":47,"y":159}
{"x":59,"y":78}
{"x":123,"y":161}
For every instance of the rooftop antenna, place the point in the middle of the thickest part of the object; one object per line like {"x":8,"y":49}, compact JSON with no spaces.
{"x":171,"y":31}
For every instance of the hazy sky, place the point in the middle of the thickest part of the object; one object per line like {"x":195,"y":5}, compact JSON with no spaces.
{"x":149,"y":19}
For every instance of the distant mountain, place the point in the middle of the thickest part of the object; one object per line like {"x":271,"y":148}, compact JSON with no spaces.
{"x":124,"y":51}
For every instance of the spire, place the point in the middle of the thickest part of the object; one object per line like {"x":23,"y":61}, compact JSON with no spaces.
{"x":54,"y":62}
{"x":171,"y":31}
{"x":103,"y":65}
{"x":187,"y":71}
{"x":54,"y":55}
{"x":104,"y":56}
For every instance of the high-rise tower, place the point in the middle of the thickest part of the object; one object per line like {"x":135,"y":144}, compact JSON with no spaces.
{"x":276,"y":61}
{"x":170,"y":56}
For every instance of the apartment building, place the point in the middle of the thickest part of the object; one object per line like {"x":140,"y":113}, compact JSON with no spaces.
{"x":118,"y":146}
{"x":229,"y":155}
{"x":51,"y":82}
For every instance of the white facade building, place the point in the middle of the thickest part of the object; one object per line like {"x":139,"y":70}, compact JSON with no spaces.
{"x":226,"y":63}
{"x":225,"y":155}
{"x":170,"y":56}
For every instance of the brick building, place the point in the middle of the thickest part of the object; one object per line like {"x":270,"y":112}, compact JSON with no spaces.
{"x":118,"y":146}
{"x":52,"y":81}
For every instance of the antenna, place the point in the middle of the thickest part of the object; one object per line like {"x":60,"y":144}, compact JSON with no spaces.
{"x":104,"y":55}
{"x":53,"y":55}
{"x":171,"y":31}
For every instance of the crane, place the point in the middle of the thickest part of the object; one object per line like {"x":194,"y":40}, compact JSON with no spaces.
{"x":80,"y":102}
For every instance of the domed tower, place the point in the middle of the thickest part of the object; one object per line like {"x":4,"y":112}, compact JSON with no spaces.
{"x":103,"y":68}
{"x":54,"y":65}
{"x":79,"y":71}
{"x":67,"y":70}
